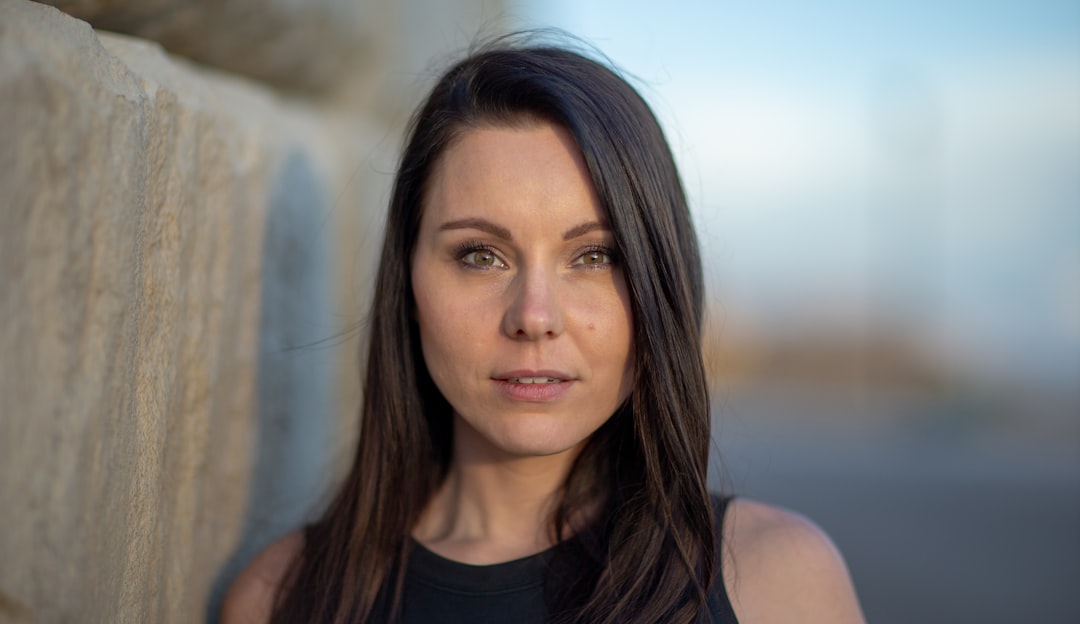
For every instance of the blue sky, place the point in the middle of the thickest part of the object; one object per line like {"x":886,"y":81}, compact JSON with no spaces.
{"x":922,"y":156}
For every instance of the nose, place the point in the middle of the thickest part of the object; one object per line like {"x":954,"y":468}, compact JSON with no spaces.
{"x":534,"y":311}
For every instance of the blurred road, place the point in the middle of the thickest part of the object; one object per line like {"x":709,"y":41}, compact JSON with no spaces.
{"x":936,"y":525}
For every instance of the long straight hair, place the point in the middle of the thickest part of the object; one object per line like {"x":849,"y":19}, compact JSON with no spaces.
{"x":650,"y":554}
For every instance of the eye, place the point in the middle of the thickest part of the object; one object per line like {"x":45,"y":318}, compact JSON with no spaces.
{"x":596,"y":257}
{"x":479,"y":257}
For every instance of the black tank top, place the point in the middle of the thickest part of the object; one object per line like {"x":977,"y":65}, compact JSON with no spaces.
{"x":448,"y":592}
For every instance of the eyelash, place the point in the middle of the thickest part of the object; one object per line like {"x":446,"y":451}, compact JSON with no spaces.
{"x":469,"y":247}
{"x":607,"y":251}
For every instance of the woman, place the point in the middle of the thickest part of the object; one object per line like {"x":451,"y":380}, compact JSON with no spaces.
{"x":535,"y":427}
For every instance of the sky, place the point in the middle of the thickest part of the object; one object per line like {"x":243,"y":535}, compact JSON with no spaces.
{"x":913,"y":160}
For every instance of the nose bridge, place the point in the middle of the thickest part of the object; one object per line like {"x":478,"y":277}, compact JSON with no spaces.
{"x":535,"y":309}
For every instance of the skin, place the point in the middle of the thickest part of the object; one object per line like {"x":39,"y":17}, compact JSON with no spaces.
{"x":510,"y":274}
{"x":515,"y":277}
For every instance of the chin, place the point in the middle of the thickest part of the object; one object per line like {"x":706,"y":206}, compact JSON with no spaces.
{"x":539,"y":448}
{"x":528,"y":436}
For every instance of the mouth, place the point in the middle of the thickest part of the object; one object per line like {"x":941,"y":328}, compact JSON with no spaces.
{"x":532,"y":377}
{"x":533,"y":380}
{"x":534,"y":386}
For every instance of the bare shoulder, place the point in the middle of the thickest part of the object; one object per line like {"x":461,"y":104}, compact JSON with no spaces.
{"x":780,"y":567}
{"x":251,"y":596}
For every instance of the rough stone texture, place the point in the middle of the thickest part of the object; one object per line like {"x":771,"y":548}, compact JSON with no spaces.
{"x":169,"y":244}
{"x":370,"y":55}
{"x":307,"y":45}
{"x":184,"y":272}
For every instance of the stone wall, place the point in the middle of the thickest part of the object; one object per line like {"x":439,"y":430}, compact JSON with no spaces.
{"x":184,"y":262}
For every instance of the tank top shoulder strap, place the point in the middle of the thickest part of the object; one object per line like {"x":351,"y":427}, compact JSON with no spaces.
{"x":720,"y":609}
{"x":720,"y":505}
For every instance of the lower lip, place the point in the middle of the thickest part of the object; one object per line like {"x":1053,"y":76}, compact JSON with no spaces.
{"x":534,"y":393}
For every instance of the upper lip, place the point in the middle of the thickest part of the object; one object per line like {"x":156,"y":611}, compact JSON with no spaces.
{"x":549,"y":373}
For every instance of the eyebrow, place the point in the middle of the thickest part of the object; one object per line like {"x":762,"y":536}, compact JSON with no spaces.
{"x":478,"y":224}
{"x":584,"y":228}
{"x":497,"y":230}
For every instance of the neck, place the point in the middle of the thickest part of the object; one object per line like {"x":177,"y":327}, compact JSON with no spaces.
{"x":493,"y":507}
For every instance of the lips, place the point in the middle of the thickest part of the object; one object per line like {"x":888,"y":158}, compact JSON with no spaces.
{"x":532,"y":376}
{"x":534,"y":386}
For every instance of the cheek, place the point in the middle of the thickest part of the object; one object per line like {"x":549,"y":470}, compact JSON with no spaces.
{"x":624,"y":338}
{"x":609,"y":327}
{"x":451,"y":328}
{"x":429,"y":318}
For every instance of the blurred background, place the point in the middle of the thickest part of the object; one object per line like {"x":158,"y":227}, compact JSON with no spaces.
{"x":888,"y":199}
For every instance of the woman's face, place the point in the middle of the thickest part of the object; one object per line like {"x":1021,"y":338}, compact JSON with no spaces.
{"x":523,"y":311}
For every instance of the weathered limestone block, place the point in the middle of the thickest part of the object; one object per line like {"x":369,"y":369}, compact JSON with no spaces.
{"x":308,"y":45}
{"x":169,"y":244}
{"x":371,"y":55}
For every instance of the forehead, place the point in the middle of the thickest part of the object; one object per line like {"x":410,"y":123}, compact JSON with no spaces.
{"x":493,"y":170}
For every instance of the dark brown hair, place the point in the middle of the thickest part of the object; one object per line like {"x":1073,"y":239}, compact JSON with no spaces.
{"x":649,"y":555}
